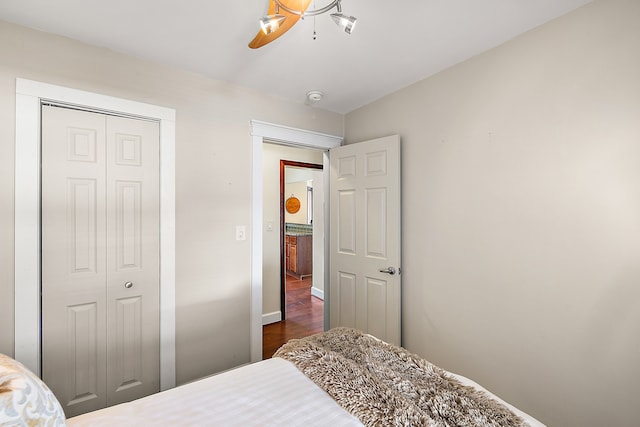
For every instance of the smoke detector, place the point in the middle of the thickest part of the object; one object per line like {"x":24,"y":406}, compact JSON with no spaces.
{"x":314,"y":95}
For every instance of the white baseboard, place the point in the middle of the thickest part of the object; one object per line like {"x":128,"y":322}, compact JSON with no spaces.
{"x":317,"y":293}
{"x":269,"y":318}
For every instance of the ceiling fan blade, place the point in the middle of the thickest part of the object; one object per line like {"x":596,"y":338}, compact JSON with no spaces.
{"x":262,"y":39}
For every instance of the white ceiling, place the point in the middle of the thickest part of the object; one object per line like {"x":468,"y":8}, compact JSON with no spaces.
{"x":394,"y":44}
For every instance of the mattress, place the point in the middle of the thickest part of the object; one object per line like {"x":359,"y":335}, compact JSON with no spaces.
{"x":272,"y":392}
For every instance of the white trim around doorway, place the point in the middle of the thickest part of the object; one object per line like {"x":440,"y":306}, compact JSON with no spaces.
{"x":29,"y":97}
{"x":262,"y":132}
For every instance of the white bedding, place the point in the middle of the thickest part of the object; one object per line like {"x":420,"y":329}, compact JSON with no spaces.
{"x":268,"y":393}
{"x":528,"y":418}
{"x":272,"y":392}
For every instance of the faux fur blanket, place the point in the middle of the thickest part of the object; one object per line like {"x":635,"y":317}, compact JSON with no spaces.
{"x":385,"y":385}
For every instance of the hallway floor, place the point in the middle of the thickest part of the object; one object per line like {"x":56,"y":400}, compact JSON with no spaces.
{"x":304,"y":317}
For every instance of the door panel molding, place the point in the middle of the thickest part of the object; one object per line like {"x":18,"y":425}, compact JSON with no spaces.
{"x":83,"y":351}
{"x":83,"y":223}
{"x":30,"y":95}
{"x":128,"y":370}
{"x":128,"y":225}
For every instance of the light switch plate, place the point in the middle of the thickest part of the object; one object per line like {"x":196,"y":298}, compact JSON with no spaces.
{"x":241,"y":232}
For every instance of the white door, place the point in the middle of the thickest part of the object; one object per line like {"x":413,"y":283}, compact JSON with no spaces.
{"x":100,"y":258}
{"x":365,"y":261}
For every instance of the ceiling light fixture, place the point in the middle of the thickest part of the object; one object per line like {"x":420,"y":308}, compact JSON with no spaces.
{"x":271,"y":23}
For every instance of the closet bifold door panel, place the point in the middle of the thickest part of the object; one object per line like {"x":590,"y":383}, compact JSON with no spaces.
{"x":100,"y":258}
{"x":74,"y":258}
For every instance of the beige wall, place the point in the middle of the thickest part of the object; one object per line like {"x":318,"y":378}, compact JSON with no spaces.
{"x":271,"y":156}
{"x":213,"y":169}
{"x":299,"y":190}
{"x":521,"y":215}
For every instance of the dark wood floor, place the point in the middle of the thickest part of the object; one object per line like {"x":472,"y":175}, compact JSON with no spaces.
{"x":303,"y":317}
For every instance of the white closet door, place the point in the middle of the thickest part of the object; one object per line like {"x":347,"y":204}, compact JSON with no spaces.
{"x":100,"y":342}
{"x":133,"y":248}
{"x":74,"y":258}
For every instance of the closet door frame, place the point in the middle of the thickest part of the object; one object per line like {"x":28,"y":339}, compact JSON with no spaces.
{"x":29,"y":97}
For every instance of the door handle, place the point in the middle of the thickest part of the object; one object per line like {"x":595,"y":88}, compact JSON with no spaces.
{"x":388,"y":270}
{"x":128,"y":285}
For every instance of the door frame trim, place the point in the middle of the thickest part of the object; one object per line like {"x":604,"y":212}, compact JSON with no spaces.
{"x":29,"y":97}
{"x":262,"y":132}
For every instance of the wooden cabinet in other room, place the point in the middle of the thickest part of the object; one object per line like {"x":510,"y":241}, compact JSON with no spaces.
{"x":298,"y":255}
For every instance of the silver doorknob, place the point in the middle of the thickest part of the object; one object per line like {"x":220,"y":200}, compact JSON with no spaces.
{"x":389,"y":270}
{"x":128,"y":285}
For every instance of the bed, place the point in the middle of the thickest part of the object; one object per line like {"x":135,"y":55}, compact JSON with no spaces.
{"x":341,"y":377}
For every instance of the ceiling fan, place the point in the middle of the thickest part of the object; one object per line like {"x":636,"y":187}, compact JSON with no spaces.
{"x":281,"y":17}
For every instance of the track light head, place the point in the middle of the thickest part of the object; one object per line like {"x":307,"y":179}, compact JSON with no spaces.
{"x":344,"y":21}
{"x":271,"y":23}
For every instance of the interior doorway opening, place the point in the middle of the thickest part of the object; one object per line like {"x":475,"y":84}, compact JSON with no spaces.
{"x":264,"y":135}
{"x":298,"y":232}
{"x":293,"y":244}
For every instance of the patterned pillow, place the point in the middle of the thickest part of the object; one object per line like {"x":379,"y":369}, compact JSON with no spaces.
{"x":24,"y":399}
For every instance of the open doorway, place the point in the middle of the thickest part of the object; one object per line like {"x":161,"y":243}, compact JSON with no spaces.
{"x":264,"y":135}
{"x":299,"y":231}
